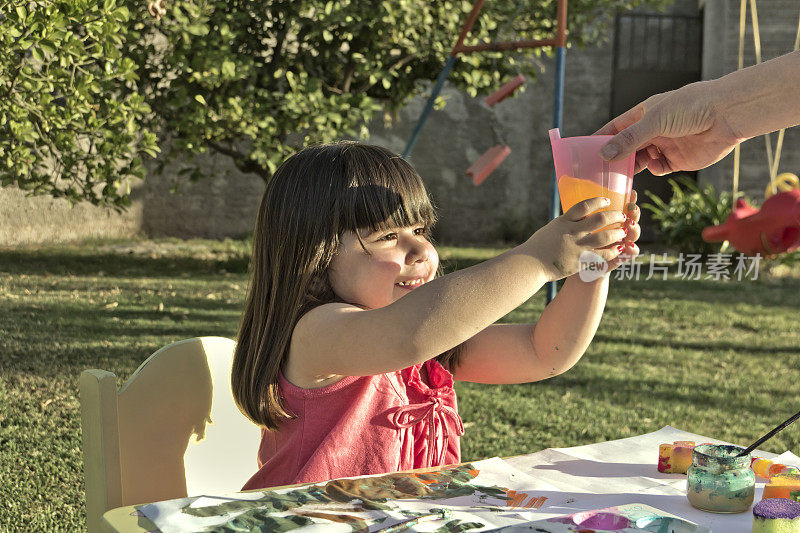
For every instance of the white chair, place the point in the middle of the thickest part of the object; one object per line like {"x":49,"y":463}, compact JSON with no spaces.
{"x":172,"y":430}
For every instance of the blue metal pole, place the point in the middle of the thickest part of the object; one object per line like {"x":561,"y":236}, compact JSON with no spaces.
{"x":451,"y":60}
{"x":555,"y":205}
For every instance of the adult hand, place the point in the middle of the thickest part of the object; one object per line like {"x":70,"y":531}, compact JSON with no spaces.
{"x":682,"y":129}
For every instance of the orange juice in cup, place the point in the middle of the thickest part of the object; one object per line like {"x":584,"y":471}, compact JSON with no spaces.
{"x":583,"y":174}
{"x":573,"y":190}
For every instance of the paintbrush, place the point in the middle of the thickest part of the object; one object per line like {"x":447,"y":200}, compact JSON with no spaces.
{"x":769,"y":435}
{"x":441,"y":514}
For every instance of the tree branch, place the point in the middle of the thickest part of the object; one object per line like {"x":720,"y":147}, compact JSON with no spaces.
{"x":225,"y":150}
{"x":14,"y":79}
{"x":277,"y":52}
{"x":241,"y":161}
{"x":348,"y":75}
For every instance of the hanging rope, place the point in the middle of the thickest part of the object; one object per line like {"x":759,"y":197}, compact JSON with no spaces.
{"x":773,"y":162}
{"x":737,"y":151}
{"x":757,"y":50}
{"x":773,"y":175}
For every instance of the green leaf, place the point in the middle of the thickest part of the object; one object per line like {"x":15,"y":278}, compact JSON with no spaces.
{"x":228,"y":68}
{"x":122,"y":14}
{"x":200,"y":99}
{"x":198,"y":29}
{"x":48,"y":46}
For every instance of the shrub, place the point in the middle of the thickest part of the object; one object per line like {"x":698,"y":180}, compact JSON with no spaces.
{"x":691,"y":208}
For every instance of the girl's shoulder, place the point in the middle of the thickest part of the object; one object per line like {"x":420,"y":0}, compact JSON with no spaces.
{"x":347,"y":340}
{"x":322,"y":316}
{"x":299,"y":366}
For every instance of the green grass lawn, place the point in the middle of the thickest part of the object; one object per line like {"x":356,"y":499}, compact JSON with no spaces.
{"x":711,"y":357}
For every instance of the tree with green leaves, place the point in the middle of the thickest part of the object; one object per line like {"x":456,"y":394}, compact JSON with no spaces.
{"x":253,"y":80}
{"x":70,"y":115}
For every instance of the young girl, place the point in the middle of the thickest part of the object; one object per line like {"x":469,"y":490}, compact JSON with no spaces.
{"x":349,"y":342}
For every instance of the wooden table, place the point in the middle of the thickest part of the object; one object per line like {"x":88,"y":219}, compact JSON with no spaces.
{"x":598,"y":475}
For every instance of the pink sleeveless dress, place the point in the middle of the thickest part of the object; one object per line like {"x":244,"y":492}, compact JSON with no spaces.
{"x":362,"y":425}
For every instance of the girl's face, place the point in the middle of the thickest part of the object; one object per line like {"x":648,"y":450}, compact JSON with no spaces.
{"x":399,"y":261}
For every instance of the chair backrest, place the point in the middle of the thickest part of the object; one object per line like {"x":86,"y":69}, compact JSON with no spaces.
{"x":172,"y":430}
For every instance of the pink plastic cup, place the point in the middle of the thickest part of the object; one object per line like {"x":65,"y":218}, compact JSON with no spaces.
{"x":582,"y":174}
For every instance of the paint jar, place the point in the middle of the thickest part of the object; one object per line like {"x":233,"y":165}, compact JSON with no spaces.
{"x":718,"y":481}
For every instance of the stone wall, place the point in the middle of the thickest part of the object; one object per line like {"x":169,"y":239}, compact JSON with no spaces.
{"x":222,"y":205}
{"x":43,"y":219}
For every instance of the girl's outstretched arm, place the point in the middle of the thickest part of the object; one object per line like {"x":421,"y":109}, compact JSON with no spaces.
{"x":341,"y":340}
{"x":520,"y":353}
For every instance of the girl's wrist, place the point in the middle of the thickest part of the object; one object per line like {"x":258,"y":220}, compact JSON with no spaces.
{"x":541,"y":270}
{"x":591,"y":280}
{"x":537,"y":266}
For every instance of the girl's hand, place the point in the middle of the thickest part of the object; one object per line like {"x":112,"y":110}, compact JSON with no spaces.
{"x":559,"y":244}
{"x":632,"y":233}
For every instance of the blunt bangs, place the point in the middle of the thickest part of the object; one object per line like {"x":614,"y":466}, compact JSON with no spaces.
{"x":384,"y":191}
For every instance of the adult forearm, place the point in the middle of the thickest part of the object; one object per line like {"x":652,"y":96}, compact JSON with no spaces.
{"x":579,"y":305}
{"x":761,"y":98}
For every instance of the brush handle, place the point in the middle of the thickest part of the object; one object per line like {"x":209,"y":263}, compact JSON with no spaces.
{"x":769,"y":435}
{"x":442,"y":514}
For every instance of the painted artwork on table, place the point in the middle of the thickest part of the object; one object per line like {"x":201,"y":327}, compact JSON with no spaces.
{"x":478,"y":496}
{"x":629,"y":518}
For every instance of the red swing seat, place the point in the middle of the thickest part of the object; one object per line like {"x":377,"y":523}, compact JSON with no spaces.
{"x":486,"y":163}
{"x":505,"y":91}
{"x":495,"y":155}
{"x":773,"y":229}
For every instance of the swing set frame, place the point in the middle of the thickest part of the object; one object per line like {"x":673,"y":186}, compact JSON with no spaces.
{"x":559,"y":42}
{"x":773,"y":228}
{"x":777,"y":182}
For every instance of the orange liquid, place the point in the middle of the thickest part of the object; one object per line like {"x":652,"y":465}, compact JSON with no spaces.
{"x":574,"y":190}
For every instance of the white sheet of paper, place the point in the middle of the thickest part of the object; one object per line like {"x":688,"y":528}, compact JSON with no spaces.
{"x":623,"y":471}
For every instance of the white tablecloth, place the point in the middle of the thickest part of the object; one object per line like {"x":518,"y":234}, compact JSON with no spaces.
{"x":625,"y":471}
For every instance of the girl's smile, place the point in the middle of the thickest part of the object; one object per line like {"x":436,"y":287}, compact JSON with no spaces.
{"x":411,"y":284}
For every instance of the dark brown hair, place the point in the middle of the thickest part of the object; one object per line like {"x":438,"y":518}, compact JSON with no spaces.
{"x":313,"y":198}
